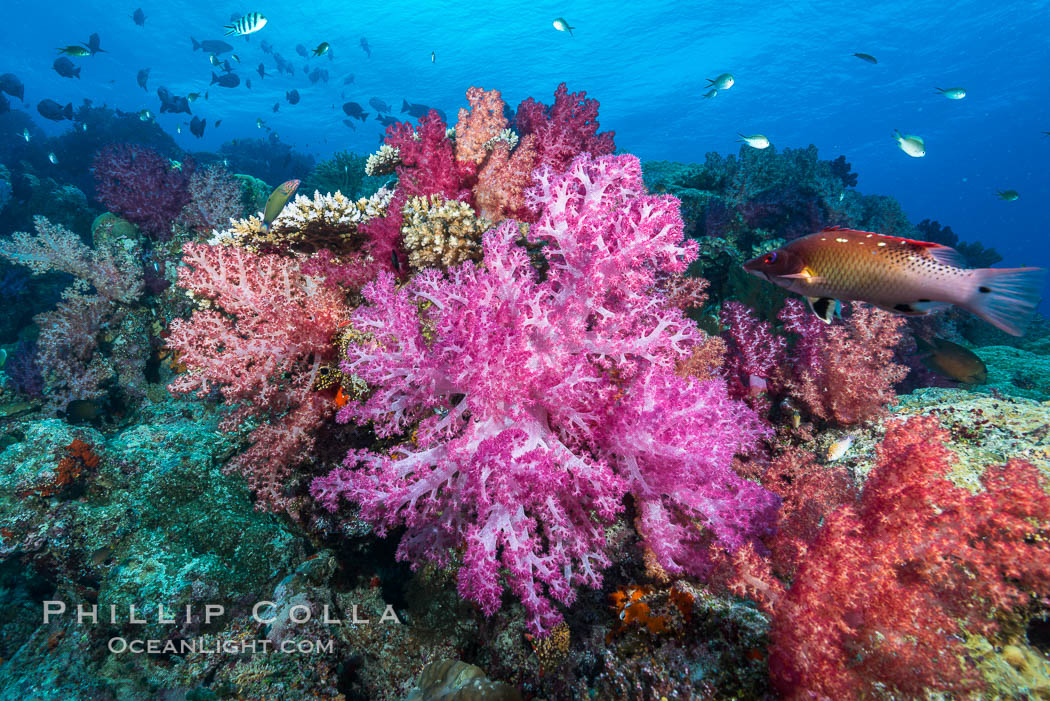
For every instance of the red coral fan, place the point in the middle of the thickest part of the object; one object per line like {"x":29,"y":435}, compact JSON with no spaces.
{"x":142,"y":186}
{"x":565,"y":129}
{"x":892,"y":585}
{"x":842,"y":373}
{"x":264,"y":342}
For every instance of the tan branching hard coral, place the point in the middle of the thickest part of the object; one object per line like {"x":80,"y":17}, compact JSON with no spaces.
{"x":308,"y":224}
{"x":383,"y":161}
{"x":439,"y":233}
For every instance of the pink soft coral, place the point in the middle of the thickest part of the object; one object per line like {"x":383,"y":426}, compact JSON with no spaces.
{"x":142,"y":186}
{"x":262,"y":343}
{"x":565,"y":129}
{"x":534,"y":407}
{"x":893,"y":585}
{"x":428,"y":161}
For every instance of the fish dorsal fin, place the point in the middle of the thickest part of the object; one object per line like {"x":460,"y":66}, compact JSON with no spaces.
{"x":825,"y":308}
{"x":946,"y":255}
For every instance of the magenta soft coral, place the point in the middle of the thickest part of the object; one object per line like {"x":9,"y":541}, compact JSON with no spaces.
{"x":534,"y":407}
{"x":142,"y":186}
{"x":892,"y":586}
{"x":263,"y":342}
{"x":565,"y":129}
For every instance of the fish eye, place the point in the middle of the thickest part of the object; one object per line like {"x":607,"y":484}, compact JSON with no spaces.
{"x":770,"y":258}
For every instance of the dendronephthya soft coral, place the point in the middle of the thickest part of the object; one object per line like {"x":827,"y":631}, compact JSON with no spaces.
{"x":531,"y":408}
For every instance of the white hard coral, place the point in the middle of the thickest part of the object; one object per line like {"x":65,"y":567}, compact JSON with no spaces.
{"x":439,"y":233}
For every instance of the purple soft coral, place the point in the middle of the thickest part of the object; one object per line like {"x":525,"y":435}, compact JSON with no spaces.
{"x":535,"y":407}
{"x":142,"y":186}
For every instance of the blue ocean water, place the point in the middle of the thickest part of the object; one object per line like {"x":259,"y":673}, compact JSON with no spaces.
{"x":796,"y":82}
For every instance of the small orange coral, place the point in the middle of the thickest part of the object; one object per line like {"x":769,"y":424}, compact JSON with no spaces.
{"x":79,"y":457}
{"x":479,"y":125}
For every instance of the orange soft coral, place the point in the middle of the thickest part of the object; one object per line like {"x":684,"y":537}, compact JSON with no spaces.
{"x":479,"y":125}
{"x":502,"y":181}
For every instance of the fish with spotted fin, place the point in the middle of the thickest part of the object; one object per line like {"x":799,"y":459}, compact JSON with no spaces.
{"x":903,"y":276}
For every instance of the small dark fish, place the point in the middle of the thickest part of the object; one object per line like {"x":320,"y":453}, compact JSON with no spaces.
{"x":172,"y":103}
{"x":276,"y":106}
{"x":103,"y":554}
{"x":414,"y":110}
{"x":386,"y":120}
{"x":49,"y":109}
{"x":197,"y":126}
{"x":74,"y":50}
{"x":379,"y":106}
{"x":267,"y":47}
{"x":365,"y":47}
{"x":306,"y":69}
{"x":315,"y":76}
{"x":394,"y":261}
{"x":867,"y":57}
{"x":142,"y":77}
{"x":217,"y":123}
{"x":952,"y":360}
{"x":292,"y":96}
{"x":261,"y":70}
{"x":81,"y":411}
{"x":350,"y":123}
{"x":322,"y":48}
{"x":301,"y":50}
{"x":94,"y":45}
{"x":211,"y":46}
{"x":248,"y":83}
{"x":139,"y":17}
{"x":228,"y":80}
{"x":10,"y":84}
{"x":226,"y":67}
{"x":355,"y":110}
{"x":348,"y":79}
{"x":65,"y":68}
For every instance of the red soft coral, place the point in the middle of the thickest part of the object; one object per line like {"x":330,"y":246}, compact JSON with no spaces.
{"x":263,"y":342}
{"x":891,"y":587}
{"x":842,"y":373}
{"x":428,"y":161}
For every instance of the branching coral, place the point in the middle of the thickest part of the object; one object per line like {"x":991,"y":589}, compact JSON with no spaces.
{"x":478,"y":126}
{"x":142,"y":186}
{"x":892,"y":585}
{"x":384,"y":161}
{"x":842,"y":373}
{"x":534,"y":407}
{"x":440,"y":233}
{"x":754,"y":352}
{"x":108,"y":282}
{"x":329,"y":221}
{"x":262,"y":337}
{"x":215,"y":198}
{"x":564,"y":129}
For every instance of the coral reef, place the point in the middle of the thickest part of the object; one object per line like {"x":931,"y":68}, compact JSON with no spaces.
{"x":142,"y":186}
{"x":344,"y":172}
{"x":215,"y":199}
{"x":441,"y":233}
{"x":917,"y":561}
{"x":470,"y":364}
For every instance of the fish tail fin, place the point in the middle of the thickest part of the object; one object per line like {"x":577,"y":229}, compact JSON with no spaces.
{"x":196,"y":44}
{"x":77,"y":72}
{"x":68,"y":110}
{"x":230,"y":30}
{"x":939,"y":90}
{"x":214,"y":78}
{"x":1006,"y":297}
{"x":404,"y":105}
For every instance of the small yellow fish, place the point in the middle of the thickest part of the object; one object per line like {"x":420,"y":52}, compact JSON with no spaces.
{"x":214,"y":60}
{"x":757,"y":141}
{"x":175,"y":165}
{"x":710,"y":93}
{"x":914,"y":146}
{"x":839,"y":448}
